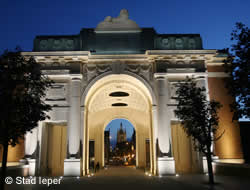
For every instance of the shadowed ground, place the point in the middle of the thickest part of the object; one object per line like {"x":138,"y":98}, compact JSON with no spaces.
{"x":129,"y":178}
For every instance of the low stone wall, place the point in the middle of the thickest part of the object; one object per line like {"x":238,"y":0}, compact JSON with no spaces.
{"x":229,"y":169}
{"x":14,"y":171}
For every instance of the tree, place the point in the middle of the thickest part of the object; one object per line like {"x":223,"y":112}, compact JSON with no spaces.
{"x":198,"y":117}
{"x":237,"y":65}
{"x":22,"y":88}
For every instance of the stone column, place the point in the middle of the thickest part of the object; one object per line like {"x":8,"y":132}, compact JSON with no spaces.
{"x":31,"y":143}
{"x":164,"y":131}
{"x":202,"y":82}
{"x":154,"y":137}
{"x":165,"y":161}
{"x":30,"y":151}
{"x":82,"y":137}
{"x":155,"y":121}
{"x":74,"y":118}
{"x":82,"y":108}
{"x":72,"y":165}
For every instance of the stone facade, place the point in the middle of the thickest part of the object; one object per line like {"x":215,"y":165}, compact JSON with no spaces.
{"x":90,"y":66}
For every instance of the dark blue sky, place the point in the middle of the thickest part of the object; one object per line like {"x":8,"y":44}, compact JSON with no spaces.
{"x":22,"y":20}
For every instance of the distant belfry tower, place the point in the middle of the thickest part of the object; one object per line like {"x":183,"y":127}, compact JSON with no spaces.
{"x":121,"y":134}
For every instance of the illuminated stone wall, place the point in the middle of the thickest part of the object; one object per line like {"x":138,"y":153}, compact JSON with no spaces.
{"x":229,"y":146}
{"x":14,"y":153}
{"x":186,"y":158}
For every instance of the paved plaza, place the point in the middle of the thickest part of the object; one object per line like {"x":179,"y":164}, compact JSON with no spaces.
{"x":129,"y":178}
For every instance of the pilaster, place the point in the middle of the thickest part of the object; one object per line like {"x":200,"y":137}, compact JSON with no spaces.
{"x":74,"y":118}
{"x":164,"y":130}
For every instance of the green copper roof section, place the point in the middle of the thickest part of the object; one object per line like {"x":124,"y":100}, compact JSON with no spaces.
{"x":118,"y":42}
{"x":57,"y":43}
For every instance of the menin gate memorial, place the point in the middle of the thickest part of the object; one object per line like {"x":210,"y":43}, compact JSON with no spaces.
{"x":119,"y":56}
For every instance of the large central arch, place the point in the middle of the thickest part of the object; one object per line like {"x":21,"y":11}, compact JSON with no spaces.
{"x":100,"y":107}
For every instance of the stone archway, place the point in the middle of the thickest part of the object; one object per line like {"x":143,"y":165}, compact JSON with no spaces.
{"x":101,"y":107}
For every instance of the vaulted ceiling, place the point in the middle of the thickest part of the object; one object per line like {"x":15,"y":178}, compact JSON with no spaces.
{"x":118,"y":92}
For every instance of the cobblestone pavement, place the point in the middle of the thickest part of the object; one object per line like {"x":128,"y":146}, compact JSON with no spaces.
{"x":131,"y":178}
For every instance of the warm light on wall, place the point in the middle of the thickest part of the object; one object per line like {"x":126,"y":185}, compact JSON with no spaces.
{"x":229,"y":145}
{"x":14,"y":153}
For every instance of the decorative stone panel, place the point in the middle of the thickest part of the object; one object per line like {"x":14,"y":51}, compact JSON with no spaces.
{"x":182,"y":41}
{"x":56,"y":43}
{"x":57,"y":95}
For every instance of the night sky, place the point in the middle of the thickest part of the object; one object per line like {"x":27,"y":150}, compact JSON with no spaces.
{"x":22,"y":20}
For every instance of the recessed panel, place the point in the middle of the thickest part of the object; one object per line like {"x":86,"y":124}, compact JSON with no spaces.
{"x":119,"y":104}
{"x":119,"y":94}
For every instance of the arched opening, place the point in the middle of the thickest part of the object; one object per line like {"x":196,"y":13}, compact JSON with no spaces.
{"x":120,"y":143}
{"x":111,"y":97}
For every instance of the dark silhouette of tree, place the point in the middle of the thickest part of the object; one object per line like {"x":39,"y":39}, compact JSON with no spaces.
{"x":198,"y":118}
{"x":22,"y":88}
{"x":237,"y":65}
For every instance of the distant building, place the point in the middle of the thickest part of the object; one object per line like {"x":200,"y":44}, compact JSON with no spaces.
{"x":107,"y":145}
{"x":121,"y":135}
{"x":133,"y":139}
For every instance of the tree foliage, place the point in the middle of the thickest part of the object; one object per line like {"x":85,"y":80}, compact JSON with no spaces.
{"x":198,"y":117}
{"x":22,"y":88}
{"x":237,"y":65}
